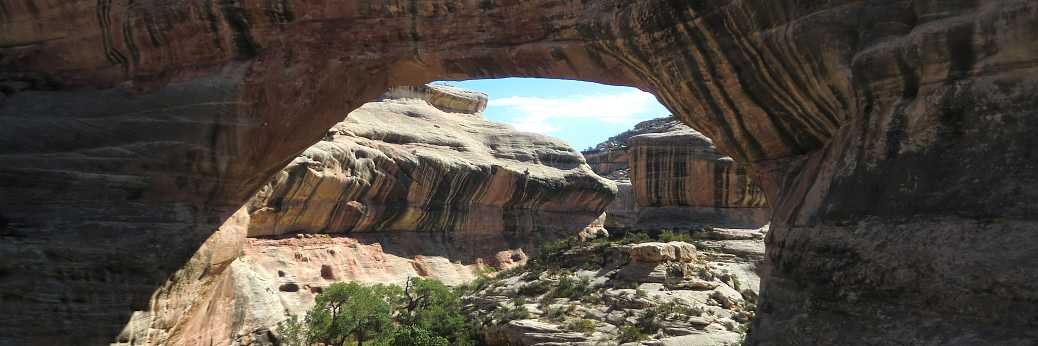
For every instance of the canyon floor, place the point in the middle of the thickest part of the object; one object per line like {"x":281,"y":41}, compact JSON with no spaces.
{"x":697,"y":288}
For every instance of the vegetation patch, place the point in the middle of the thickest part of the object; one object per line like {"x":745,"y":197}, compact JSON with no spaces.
{"x":424,"y":312}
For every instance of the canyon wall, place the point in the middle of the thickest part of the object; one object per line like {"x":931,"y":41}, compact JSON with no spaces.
{"x":678,"y":177}
{"x":894,"y":139}
{"x":672,"y":177}
{"x":424,"y":159}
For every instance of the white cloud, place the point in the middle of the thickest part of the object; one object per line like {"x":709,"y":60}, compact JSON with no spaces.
{"x":536,"y":114}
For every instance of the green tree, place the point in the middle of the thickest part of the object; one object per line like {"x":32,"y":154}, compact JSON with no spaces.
{"x":349,"y":310}
{"x":415,"y":336}
{"x":432,"y":306}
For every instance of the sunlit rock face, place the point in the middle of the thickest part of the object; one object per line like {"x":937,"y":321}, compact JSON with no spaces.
{"x":895,"y":139}
{"x":672,"y":177}
{"x":425,"y":160}
{"x":678,"y":177}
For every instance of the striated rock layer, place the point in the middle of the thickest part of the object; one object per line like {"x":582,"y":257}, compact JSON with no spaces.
{"x":410,"y":163}
{"x":678,"y":177}
{"x":894,"y":139}
{"x":675,"y":178}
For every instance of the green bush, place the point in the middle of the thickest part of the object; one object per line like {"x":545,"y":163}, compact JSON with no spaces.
{"x":415,"y":336}
{"x":571,"y":288}
{"x":550,"y":252}
{"x":649,"y":321}
{"x":505,"y":315}
{"x":581,"y":325}
{"x":677,"y":309}
{"x":429,"y":311}
{"x":631,"y":334}
{"x":667,"y":235}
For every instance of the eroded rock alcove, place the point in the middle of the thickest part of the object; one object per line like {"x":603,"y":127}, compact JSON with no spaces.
{"x":894,"y":139}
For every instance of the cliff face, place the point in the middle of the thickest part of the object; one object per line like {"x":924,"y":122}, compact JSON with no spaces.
{"x":678,"y":177}
{"x":412,"y":162}
{"x":894,"y":138}
{"x":610,"y":158}
{"x":672,"y":176}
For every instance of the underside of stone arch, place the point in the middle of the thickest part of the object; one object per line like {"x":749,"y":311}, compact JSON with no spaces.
{"x":894,"y":138}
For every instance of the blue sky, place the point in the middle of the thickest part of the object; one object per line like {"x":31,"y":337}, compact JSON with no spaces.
{"x":582,"y":113}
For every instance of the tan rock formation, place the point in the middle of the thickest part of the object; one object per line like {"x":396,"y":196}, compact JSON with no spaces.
{"x":678,"y":177}
{"x":675,"y":178}
{"x":661,"y":252}
{"x":894,"y":138}
{"x":406,"y":164}
{"x":611,"y":164}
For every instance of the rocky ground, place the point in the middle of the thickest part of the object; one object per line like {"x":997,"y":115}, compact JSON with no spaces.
{"x":671,"y":289}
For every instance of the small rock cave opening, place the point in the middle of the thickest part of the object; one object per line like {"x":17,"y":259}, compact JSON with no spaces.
{"x":479,"y":184}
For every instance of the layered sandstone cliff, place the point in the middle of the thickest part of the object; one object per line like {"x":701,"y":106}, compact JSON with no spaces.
{"x":894,"y":138}
{"x":678,"y":177}
{"x":672,"y":176}
{"x":424,"y":159}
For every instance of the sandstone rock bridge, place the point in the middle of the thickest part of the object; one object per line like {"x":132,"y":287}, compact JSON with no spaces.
{"x":895,"y":138}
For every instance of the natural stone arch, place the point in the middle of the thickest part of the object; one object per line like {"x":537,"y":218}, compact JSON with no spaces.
{"x":875,"y":127}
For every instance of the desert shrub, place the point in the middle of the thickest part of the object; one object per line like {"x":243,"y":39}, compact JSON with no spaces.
{"x":667,"y":235}
{"x":505,"y":315}
{"x":476,"y":285}
{"x":553,"y":313}
{"x":549,"y":253}
{"x":581,"y":325}
{"x":677,"y":309}
{"x":631,"y":334}
{"x":592,"y":298}
{"x":649,"y":321}
{"x":569,"y":287}
{"x":535,"y":288}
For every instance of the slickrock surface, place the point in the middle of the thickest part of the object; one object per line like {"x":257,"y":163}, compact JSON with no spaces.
{"x":673,"y":177}
{"x":895,"y":139}
{"x":670,"y":293}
